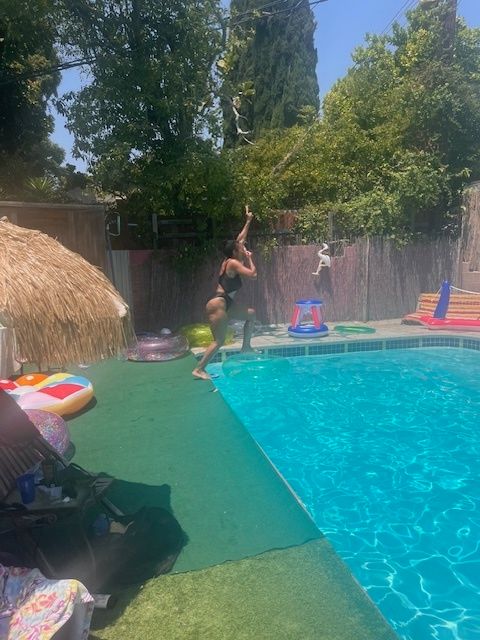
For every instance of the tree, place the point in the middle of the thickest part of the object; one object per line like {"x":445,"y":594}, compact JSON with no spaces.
{"x":398,"y":139}
{"x":269,"y":68}
{"x":419,"y":106}
{"x":27,"y":54}
{"x":143,"y":118}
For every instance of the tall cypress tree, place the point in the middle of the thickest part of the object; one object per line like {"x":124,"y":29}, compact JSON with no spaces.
{"x":271,"y":51}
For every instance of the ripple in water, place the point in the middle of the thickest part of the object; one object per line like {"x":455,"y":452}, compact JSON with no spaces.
{"x":383,"y":450}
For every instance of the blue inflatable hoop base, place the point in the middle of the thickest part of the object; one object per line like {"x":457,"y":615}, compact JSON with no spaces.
{"x":308,"y":331}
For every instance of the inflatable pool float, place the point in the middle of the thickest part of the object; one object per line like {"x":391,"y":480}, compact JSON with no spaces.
{"x":60,"y":393}
{"x":439,"y":320}
{"x":451,"y":324}
{"x":200,"y":335}
{"x":158,"y":348}
{"x":254,"y":363}
{"x":52,"y":428}
{"x":314,"y":329}
{"x":7,"y":385}
{"x":308,"y":331}
{"x":353,"y":328}
{"x":31,"y":379}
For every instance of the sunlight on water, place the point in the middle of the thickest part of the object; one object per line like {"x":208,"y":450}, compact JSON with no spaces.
{"x":383,"y":449}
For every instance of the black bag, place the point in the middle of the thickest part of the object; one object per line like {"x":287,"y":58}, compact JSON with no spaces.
{"x":148,"y":548}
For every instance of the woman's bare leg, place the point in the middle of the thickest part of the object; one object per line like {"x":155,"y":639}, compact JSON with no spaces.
{"x":218,"y":320}
{"x":247,"y":314}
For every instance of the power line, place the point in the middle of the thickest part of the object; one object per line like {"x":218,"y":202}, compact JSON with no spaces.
{"x":80,"y":62}
{"x":406,"y":5}
{"x":290,"y":10}
{"x":249,"y":14}
{"x":252,"y":11}
{"x":64,"y":66}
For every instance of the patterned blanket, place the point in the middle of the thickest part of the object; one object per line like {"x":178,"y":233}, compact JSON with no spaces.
{"x":34,"y":608}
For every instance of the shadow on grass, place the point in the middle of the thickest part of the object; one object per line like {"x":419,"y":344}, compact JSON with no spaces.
{"x":90,"y":405}
{"x":103,"y":618}
{"x":118,"y":563}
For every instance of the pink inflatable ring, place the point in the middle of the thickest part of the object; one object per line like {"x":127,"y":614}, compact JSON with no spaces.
{"x":52,"y":427}
{"x":153,"y":348}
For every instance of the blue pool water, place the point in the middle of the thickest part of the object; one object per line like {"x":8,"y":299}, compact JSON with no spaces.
{"x":383,"y":449}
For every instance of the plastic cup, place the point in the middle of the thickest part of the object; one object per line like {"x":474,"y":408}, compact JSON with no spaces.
{"x":26,"y":486}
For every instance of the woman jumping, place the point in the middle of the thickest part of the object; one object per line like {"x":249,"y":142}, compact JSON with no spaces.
{"x":221,"y":306}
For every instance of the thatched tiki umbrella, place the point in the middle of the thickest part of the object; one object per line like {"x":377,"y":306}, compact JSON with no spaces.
{"x":62,"y":309}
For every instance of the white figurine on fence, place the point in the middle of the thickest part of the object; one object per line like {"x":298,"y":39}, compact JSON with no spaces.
{"x":324,"y":260}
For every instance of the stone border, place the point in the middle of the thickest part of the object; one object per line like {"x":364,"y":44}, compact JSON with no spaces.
{"x":315,"y":348}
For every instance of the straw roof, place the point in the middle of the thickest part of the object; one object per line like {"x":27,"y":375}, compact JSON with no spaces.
{"x":63,"y":309}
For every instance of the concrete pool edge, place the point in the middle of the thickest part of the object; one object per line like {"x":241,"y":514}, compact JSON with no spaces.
{"x":390,"y":337}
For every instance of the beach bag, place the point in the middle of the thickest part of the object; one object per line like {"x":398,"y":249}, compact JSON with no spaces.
{"x":149,"y":547}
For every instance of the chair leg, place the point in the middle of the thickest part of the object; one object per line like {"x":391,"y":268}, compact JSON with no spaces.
{"x":34,"y":552}
{"x":111,"y":507}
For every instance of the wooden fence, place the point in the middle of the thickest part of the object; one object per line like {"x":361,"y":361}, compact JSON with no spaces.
{"x":372,"y":280}
{"x":471,"y":228}
{"x":80,"y":228}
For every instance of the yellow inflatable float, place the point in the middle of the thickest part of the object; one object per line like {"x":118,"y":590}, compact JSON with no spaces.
{"x":200,"y":335}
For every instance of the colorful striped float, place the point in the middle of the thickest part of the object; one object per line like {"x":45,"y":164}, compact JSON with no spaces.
{"x":444,"y":318}
{"x":60,"y":393}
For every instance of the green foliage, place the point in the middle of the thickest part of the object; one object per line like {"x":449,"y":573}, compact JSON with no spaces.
{"x":143,"y":118}
{"x":27,"y":39}
{"x":197,"y":185}
{"x":42,"y":189}
{"x":267,"y":247}
{"x":190,"y":257}
{"x":398,"y":139}
{"x":312,"y":222}
{"x":254,"y":172}
{"x":270,"y":53}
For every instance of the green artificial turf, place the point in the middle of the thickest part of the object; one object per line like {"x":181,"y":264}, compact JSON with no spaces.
{"x":255,"y":565}
{"x":172,"y":442}
{"x":302,"y":593}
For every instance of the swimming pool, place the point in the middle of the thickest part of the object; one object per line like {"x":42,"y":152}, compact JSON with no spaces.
{"x":383,"y":449}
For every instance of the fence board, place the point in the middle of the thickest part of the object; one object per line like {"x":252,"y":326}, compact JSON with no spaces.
{"x":122,"y":277}
{"x":471,"y":228}
{"x":399,"y":275}
{"x":80,"y":228}
{"x":373,"y":280}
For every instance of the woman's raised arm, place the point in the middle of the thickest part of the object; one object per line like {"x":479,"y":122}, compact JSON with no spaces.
{"x":249,"y":270}
{"x":242,"y":236}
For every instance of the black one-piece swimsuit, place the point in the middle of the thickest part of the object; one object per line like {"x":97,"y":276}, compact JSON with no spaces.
{"x":229,"y":285}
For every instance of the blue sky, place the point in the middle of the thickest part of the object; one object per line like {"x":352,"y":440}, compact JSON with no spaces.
{"x":341,"y":26}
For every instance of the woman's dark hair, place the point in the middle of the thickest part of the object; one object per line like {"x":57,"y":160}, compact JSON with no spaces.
{"x":229,"y":247}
